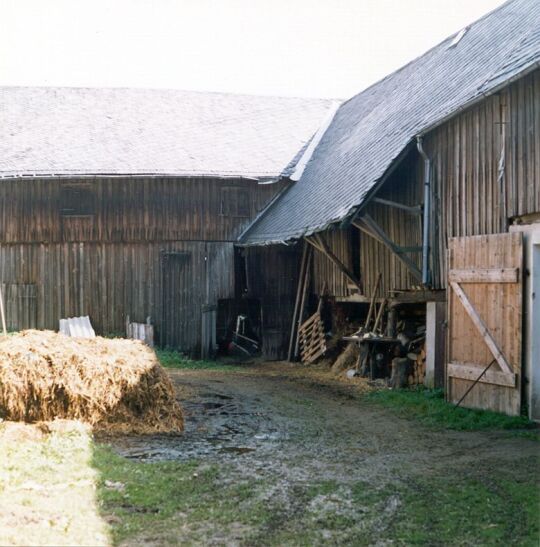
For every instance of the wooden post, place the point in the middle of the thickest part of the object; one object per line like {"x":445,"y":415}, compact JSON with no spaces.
{"x":297,"y":301}
{"x":2,"y":314}
{"x":372,"y":302}
{"x":307,"y":276}
{"x":379,"y":315}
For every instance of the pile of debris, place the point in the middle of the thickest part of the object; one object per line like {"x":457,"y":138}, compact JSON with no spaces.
{"x":115,"y":385}
{"x":390,"y":345}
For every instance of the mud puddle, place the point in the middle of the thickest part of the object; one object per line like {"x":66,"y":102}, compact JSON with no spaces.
{"x":217,"y":426}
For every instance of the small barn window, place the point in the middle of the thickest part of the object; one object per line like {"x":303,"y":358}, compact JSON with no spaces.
{"x":77,"y":200}
{"x":234,"y":202}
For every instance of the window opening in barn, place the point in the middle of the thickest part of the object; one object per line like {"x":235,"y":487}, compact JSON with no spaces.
{"x":234,"y":202}
{"x":77,"y":200}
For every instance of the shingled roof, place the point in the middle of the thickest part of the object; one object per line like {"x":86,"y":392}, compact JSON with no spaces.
{"x":79,"y":131}
{"x":370,"y":131}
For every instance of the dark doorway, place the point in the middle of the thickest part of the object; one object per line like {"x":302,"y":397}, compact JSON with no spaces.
{"x":176,"y":298}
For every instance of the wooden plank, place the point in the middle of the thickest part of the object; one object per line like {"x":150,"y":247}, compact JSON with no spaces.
{"x":305,"y":289}
{"x":482,"y":329}
{"x":318,"y":241}
{"x":412,"y":209}
{"x":307,"y":335}
{"x":469,"y":371}
{"x":385,"y":240}
{"x":297,"y":302}
{"x":484,"y":275}
{"x":310,"y":320}
{"x":2,"y":314}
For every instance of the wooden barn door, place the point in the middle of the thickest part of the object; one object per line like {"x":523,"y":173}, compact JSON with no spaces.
{"x":484,"y":321}
{"x":177,"y":309}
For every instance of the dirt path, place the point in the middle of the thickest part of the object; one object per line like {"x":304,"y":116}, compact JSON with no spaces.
{"x":326,"y":458}
{"x":271,"y":422}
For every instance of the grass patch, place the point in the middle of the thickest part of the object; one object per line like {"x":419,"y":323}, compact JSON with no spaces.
{"x":468,"y":511}
{"x":47,"y":486}
{"x":186,"y":503}
{"x":177,"y":360}
{"x":163,"y":501}
{"x":430,"y":408}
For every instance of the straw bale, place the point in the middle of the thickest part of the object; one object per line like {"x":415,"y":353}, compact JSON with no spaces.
{"x":347,"y":358}
{"x":115,"y":385}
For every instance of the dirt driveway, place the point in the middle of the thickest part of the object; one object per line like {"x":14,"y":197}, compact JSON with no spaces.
{"x":332,"y":467}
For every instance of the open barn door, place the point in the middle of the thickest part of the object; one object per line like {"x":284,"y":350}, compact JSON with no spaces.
{"x":484,"y":321}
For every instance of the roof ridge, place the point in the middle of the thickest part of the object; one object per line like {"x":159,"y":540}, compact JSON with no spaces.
{"x":165,"y":90}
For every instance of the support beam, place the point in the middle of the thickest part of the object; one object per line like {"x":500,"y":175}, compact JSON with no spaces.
{"x":363,"y":228}
{"x":412,"y":209}
{"x":375,"y":231}
{"x":320,"y":244}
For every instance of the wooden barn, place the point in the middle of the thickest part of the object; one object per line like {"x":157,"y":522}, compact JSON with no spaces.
{"x":430,"y":180}
{"x":118,"y":203}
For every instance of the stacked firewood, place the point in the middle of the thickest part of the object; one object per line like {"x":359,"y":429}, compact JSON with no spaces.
{"x":418,"y":367}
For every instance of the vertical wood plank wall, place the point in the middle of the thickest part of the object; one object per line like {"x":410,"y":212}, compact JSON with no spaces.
{"x":471,"y":195}
{"x":474,"y":196}
{"x":404,"y":186}
{"x":127,"y":210}
{"x":324,"y":270}
{"x":110,"y":265}
{"x":109,"y":281}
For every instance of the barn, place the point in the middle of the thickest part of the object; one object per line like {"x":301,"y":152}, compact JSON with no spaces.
{"x":429,"y":180}
{"x":126,"y":203}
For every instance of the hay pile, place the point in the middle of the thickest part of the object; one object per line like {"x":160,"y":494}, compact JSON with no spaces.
{"x":347,"y":358}
{"x":112,"y":384}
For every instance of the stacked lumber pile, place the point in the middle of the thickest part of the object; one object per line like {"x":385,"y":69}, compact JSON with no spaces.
{"x":418,"y":368}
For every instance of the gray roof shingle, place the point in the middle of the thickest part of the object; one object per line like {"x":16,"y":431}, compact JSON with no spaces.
{"x":372,"y":129}
{"x":81,"y":131}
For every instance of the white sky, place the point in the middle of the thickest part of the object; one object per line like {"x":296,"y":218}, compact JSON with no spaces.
{"x":311,"y":48}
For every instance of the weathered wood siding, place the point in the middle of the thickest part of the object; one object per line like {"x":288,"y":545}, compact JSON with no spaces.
{"x":109,"y":281}
{"x":479,"y":185}
{"x":340,"y":242}
{"x":110,"y":261}
{"x":495,"y":334}
{"x":152,"y":209}
{"x":405,"y":229}
{"x":486,"y":167}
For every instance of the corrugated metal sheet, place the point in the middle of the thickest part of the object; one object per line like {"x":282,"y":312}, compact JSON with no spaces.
{"x":78,"y":131}
{"x":372,"y":129}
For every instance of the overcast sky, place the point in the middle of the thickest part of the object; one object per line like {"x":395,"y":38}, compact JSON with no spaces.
{"x":311,"y":48}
